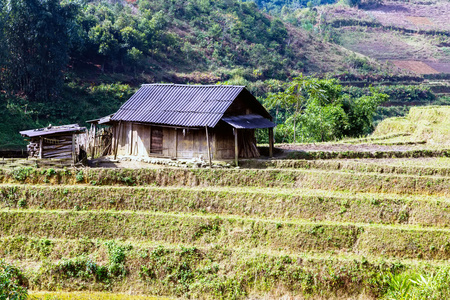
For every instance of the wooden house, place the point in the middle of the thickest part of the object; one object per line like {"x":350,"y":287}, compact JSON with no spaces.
{"x":190,"y":121}
{"x":57,"y":142}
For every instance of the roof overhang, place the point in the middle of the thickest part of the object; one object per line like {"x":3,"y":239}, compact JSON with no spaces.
{"x":106,"y":120}
{"x":251,"y":121}
{"x":73,"y":128}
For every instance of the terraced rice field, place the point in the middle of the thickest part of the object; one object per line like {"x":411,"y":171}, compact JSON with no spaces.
{"x":412,"y":35}
{"x":320,"y":228}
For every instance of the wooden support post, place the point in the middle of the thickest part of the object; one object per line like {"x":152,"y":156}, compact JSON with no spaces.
{"x":119,"y":135}
{"x":131,"y":140}
{"x":270,"y":142}
{"x":236,"y":147}
{"x":41,"y":142}
{"x":150,"y":140}
{"x":209,"y":146}
{"x":93,"y":150}
{"x":73,"y":149}
{"x":176,"y":143}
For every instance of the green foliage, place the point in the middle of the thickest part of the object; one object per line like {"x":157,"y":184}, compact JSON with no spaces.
{"x":220,"y":34}
{"x":364,"y":3}
{"x":79,"y":267}
{"x":36,"y":42}
{"x":12,"y":283}
{"x":22,"y":203}
{"x":398,"y":94}
{"x":414,"y":285}
{"x":360,"y":112}
{"x":82,"y":102}
{"x":116,"y":254}
{"x":15,"y":115}
{"x":320,"y":111}
{"x":80,"y":176}
{"x":85,"y":268}
{"x":324,"y":123}
{"x":384,"y":112}
{"x":21,"y":174}
{"x":359,"y":63}
{"x":50,"y":172}
{"x":286,"y":6}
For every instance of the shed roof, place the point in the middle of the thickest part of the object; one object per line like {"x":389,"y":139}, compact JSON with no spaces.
{"x":248,"y":122}
{"x":72,"y":128}
{"x":102,"y":120}
{"x":181,"y":105}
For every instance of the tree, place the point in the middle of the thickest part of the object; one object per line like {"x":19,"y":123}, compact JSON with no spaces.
{"x":323,"y":123}
{"x":104,"y":36}
{"x":294,"y":98}
{"x":318,"y":110}
{"x":36,"y":39}
{"x":360,"y":112}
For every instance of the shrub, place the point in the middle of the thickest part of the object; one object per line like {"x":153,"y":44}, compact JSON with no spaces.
{"x":12,"y":282}
{"x":21,"y":174}
{"x":80,"y":176}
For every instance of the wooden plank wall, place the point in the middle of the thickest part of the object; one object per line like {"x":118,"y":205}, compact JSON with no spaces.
{"x":136,"y":140}
{"x":192,"y":143}
{"x":223,"y":142}
{"x":57,"y":146}
{"x":141,"y":140}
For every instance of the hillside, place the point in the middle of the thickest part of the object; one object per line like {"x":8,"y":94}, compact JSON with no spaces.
{"x":205,"y":42}
{"x":325,"y":228}
{"x":114,"y":46}
{"x":144,"y":41}
{"x":412,"y":35}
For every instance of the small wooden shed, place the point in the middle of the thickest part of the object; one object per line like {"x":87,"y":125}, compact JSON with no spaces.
{"x":58,"y":142}
{"x":189,"y":121}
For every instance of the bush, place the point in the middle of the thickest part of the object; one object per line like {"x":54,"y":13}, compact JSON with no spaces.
{"x":12,"y":282}
{"x":412,"y":285}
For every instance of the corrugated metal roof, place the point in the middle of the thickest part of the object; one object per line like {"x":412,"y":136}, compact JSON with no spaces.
{"x":248,"y":122}
{"x":72,"y":128}
{"x":178,"y":105}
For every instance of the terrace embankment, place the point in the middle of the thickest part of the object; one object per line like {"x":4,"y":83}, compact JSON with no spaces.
{"x":324,"y":228}
{"x":203,"y":230}
{"x":270,"y":203}
{"x":217,"y":271}
{"x":298,"y":178}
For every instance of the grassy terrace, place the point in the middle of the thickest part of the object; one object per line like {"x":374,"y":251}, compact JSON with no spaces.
{"x":201,"y":230}
{"x":324,"y":228}
{"x":313,"y":178}
{"x":412,"y":166}
{"x":273,"y":203}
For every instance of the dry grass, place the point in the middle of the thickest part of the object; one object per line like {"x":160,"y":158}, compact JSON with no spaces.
{"x":333,"y":180}
{"x":272,"y":203}
{"x":402,"y":241}
{"x":430,"y":123}
{"x":418,"y":67}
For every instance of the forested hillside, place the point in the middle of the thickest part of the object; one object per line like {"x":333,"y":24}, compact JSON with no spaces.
{"x":68,"y":61}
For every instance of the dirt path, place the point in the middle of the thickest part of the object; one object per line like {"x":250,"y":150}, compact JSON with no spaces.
{"x":347,"y":147}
